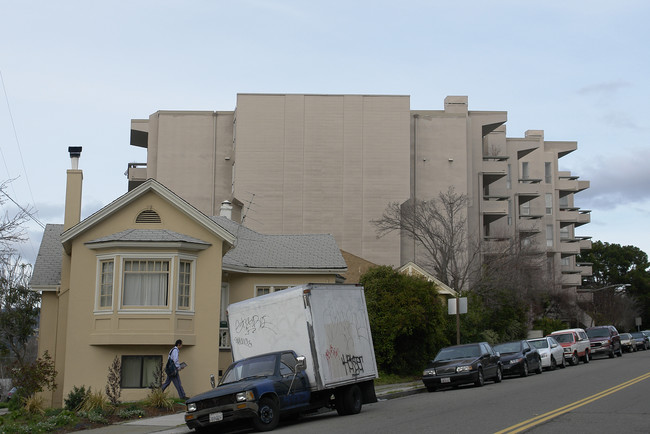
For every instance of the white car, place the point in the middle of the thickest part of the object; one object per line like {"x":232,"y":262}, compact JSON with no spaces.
{"x":550,"y":350}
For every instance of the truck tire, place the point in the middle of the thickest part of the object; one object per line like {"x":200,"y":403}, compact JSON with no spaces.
{"x":268,"y":415}
{"x":348,"y":400}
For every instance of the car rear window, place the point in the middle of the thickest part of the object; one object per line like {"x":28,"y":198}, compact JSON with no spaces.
{"x":564,"y":338}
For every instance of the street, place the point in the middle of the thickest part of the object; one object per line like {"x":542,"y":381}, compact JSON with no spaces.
{"x":604,"y":395}
{"x":501,"y":407}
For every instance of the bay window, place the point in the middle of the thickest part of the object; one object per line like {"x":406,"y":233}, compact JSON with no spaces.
{"x":146,"y":283}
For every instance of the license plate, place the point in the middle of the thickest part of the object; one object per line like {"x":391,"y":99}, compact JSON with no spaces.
{"x":445,"y":380}
{"x":216,"y":417}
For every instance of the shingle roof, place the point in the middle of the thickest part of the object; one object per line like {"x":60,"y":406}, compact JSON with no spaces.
{"x":47,"y":268}
{"x":298,"y":252}
{"x":252,"y":250}
{"x":148,"y":235}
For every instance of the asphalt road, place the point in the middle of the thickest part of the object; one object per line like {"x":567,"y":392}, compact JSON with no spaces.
{"x":606,"y":395}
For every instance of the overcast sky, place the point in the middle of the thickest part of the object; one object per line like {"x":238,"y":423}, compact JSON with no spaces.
{"x":74,"y":73}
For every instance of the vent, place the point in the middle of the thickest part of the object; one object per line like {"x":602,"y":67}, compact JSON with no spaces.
{"x":148,"y":216}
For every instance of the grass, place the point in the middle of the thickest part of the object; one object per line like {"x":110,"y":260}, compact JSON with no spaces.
{"x":385,"y":379}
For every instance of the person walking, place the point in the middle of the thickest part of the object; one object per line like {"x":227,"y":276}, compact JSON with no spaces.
{"x":175,"y":377}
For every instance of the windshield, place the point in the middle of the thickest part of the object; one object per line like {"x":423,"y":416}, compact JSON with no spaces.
{"x":508,"y":347}
{"x":262,"y":366}
{"x":542,"y":343}
{"x":451,"y":353}
{"x":564,"y":338}
{"x":626,"y":336}
{"x":598,"y":333}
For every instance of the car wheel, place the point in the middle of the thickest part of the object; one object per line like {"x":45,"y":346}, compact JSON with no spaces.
{"x":499,"y":375}
{"x":553,"y":363}
{"x":349,"y":401}
{"x":524,"y":371}
{"x":586,"y":357}
{"x":574,"y":359}
{"x":611,"y":354}
{"x":539,"y":369}
{"x":620,"y":351}
{"x":563,"y":365}
{"x":268,"y":415}
{"x":480,"y":381}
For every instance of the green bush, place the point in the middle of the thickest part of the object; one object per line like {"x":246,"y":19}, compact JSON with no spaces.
{"x":75,"y":398}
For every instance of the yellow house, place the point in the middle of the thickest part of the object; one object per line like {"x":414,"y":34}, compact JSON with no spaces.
{"x":148,"y":269}
{"x":412,"y":268}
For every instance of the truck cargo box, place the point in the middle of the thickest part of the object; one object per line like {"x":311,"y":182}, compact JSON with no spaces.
{"x":326,"y":323}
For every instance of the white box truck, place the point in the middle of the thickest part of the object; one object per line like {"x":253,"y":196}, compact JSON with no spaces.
{"x":295,"y":350}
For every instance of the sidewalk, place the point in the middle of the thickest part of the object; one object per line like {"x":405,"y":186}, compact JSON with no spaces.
{"x":175,"y":423}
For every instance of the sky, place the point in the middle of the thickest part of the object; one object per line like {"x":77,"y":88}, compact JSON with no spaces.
{"x":74,"y":73}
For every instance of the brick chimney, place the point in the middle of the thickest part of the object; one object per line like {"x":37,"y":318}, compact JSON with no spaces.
{"x":73,"y":190}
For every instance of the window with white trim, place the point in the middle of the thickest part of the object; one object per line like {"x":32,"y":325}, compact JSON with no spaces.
{"x":146,"y":283}
{"x":106,"y":283}
{"x":139,"y":372}
{"x":184,"y":284}
{"x":267,"y":289}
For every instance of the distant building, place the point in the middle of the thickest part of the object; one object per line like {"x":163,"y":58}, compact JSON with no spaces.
{"x":293,"y":163}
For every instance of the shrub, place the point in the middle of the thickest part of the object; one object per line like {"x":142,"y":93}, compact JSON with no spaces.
{"x":130,"y":413}
{"x":76,"y":398}
{"x":34,"y":405}
{"x":95,"y":401}
{"x":35,"y":377}
{"x":159,"y":399}
{"x":113,"y":387}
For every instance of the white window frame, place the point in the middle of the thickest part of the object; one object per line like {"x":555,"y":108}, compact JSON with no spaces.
{"x":192,"y":261}
{"x":272,"y":288}
{"x":98,"y":283}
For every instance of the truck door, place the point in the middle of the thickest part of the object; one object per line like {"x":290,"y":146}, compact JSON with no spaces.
{"x":292,"y":392}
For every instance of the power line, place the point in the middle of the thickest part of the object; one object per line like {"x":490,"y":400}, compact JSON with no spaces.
{"x":24,"y":210}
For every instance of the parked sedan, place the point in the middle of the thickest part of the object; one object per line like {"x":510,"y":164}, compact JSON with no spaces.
{"x":550,"y":351}
{"x":627,"y":342}
{"x":519,"y":358}
{"x":640,"y":341}
{"x":463,"y":364}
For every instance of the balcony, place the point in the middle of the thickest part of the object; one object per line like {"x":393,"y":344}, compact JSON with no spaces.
{"x":585,"y":268}
{"x":528,"y":225}
{"x":136,"y":174}
{"x":574,"y":279}
{"x":569,"y":247}
{"x":493,"y":169}
{"x":493,"y":208}
{"x":585,"y":243}
{"x":584,"y":217}
{"x":567,"y":216}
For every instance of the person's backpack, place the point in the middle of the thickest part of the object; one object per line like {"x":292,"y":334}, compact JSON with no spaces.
{"x":170,"y":368}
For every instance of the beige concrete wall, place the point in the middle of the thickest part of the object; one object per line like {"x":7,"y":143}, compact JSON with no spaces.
{"x":323,"y":164}
{"x":191,"y":153}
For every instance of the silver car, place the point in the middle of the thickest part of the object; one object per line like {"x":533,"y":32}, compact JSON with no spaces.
{"x":550,"y":350}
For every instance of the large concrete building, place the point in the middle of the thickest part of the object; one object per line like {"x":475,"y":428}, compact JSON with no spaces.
{"x":332,"y":163}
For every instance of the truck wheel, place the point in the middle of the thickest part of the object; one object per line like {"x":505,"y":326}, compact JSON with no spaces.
{"x":348,"y":401}
{"x":268,"y":415}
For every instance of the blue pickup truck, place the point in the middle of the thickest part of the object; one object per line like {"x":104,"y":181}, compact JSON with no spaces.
{"x":264,"y":388}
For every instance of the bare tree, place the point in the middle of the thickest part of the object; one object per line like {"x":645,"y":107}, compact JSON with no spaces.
{"x":439,"y":227}
{"x":11,"y":224}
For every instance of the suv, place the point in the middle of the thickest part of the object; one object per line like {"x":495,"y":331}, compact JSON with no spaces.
{"x":605,"y":340}
{"x":575,"y":343}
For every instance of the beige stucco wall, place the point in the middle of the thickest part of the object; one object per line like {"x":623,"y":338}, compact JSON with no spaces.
{"x":94,"y":339}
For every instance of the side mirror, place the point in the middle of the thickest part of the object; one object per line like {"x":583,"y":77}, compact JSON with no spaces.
{"x":212,"y":383}
{"x":302,"y":363}
{"x":526,"y":350}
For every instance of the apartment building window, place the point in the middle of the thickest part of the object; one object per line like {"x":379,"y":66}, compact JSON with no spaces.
{"x":106,"y":283}
{"x":549,"y":203}
{"x":524,"y":170}
{"x":547,"y":172}
{"x":564,"y":201}
{"x":146,"y":283}
{"x":524,"y":208}
{"x":184,"y":284}
{"x":564,"y":233}
{"x":509,"y":212}
{"x":509,"y":177}
{"x":549,"y":235}
{"x":138,"y":371}
{"x":268,"y":289}
{"x":565,"y":261}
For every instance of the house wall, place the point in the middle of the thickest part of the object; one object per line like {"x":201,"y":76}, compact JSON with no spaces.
{"x":95,"y":338}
